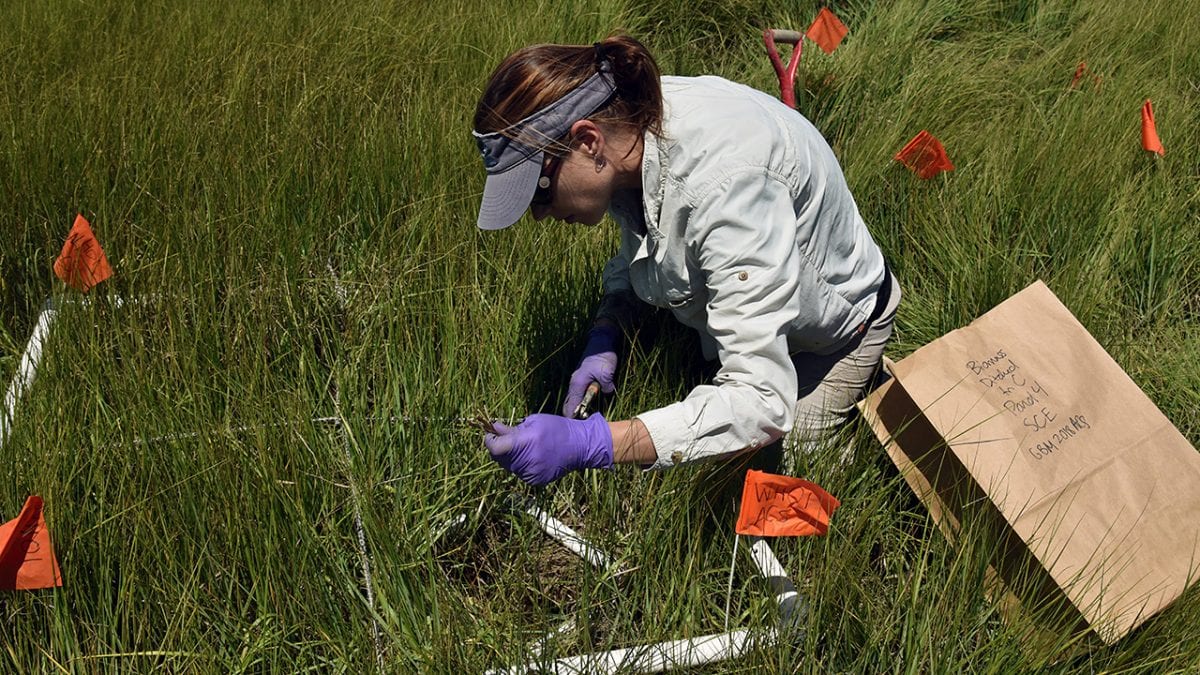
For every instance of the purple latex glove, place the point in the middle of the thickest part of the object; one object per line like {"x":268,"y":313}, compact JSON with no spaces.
{"x":544,"y":447}
{"x":599,"y":365}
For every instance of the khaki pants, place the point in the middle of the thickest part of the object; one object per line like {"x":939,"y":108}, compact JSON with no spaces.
{"x":831,"y":384}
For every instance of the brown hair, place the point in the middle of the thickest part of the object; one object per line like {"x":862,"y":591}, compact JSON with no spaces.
{"x":536,"y":76}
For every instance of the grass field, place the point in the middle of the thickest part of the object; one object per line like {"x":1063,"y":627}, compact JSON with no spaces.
{"x":292,"y":189}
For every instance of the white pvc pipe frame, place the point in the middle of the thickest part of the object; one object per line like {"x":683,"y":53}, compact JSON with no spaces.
{"x":562,"y":533}
{"x":650,"y":658}
{"x":661,"y":656}
{"x":655,"y":658}
{"x":27,"y":370}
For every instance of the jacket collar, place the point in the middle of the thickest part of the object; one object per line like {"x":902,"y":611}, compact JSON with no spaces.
{"x":654,"y":181}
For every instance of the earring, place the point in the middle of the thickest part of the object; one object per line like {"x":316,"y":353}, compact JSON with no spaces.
{"x":600,"y":163}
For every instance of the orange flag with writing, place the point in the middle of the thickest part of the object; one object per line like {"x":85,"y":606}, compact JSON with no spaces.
{"x":1150,"y":140}
{"x":782,"y":506}
{"x":26,"y":556}
{"x":82,"y":263}
{"x":925,"y":155}
{"x":827,"y":30}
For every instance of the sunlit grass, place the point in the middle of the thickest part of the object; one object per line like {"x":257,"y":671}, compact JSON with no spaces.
{"x":293,"y":189}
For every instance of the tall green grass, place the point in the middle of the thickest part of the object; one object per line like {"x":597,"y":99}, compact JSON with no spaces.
{"x":231,"y":157}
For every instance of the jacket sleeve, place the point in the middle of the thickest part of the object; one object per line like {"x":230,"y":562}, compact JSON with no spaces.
{"x":742,"y":235}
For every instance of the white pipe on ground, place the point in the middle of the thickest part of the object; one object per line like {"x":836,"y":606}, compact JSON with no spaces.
{"x":32,"y":357}
{"x":27,"y":369}
{"x":562,"y":533}
{"x":655,"y":658}
{"x":792,"y":608}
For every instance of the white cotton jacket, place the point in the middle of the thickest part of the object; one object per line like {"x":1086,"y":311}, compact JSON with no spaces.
{"x":748,"y":233}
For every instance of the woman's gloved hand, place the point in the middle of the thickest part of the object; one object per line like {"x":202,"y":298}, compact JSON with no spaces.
{"x":542,"y":448}
{"x":599,"y":365}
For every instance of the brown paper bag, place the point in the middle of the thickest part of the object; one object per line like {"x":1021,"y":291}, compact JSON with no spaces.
{"x":1092,"y":493}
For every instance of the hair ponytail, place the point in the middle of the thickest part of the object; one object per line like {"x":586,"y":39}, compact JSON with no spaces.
{"x":534,"y":77}
{"x":639,"y":93}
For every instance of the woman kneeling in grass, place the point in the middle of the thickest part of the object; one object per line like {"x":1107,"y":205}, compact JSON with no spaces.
{"x":734,"y":214}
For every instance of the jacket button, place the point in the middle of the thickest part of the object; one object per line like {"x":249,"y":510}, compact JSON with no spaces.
{"x":676,"y":457}
{"x":742,"y":276}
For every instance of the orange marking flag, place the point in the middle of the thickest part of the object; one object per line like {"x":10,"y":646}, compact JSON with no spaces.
{"x":1079,"y":71}
{"x":26,"y":556}
{"x":925,"y":155}
{"x":1150,"y":140}
{"x":82,"y":263}
{"x":827,"y":30}
{"x":782,"y":506}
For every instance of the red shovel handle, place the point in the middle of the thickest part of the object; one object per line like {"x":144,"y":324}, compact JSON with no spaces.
{"x":787,"y":76}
